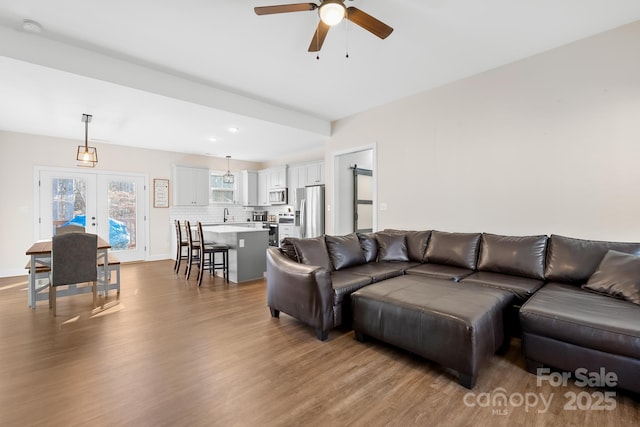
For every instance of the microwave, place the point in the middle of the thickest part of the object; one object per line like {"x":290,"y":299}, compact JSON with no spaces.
{"x":278,"y":196}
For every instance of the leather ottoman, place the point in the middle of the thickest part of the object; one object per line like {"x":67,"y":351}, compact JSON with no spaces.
{"x":458,"y":326}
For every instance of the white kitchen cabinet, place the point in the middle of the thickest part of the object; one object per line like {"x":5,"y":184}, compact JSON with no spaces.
{"x":190,"y":186}
{"x":278,"y":177}
{"x":314,"y":173}
{"x":249,"y":195}
{"x":264,"y":177}
{"x":293,"y":179}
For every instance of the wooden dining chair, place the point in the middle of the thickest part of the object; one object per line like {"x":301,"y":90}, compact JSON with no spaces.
{"x":73,"y":261}
{"x":208,"y":251}
{"x":181,"y":244}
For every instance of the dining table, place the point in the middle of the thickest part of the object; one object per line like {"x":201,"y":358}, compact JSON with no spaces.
{"x":40,"y":256}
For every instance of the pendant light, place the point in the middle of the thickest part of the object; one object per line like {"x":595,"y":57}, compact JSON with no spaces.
{"x":228,"y":178}
{"x":87,"y":157}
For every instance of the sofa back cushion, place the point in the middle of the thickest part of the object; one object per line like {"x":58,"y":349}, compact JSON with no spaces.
{"x":454,"y":249}
{"x":521,"y":256}
{"x":618,"y":275}
{"x":369,"y":246}
{"x":416,"y":243}
{"x":345,"y":251}
{"x":287,"y":248}
{"x":574,"y":260}
{"x":312,"y":251}
{"x":392,"y":246}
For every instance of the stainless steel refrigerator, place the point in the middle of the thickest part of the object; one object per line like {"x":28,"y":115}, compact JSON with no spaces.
{"x":310,"y":210}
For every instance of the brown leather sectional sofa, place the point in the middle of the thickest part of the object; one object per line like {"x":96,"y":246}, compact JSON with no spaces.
{"x":455,"y":298}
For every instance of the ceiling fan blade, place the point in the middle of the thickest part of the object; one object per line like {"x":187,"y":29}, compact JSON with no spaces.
{"x":318,"y":37}
{"x":368,"y":22}
{"x":284,"y":8}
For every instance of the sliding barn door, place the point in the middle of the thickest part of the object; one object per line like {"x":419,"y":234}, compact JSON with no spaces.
{"x":362,"y":199}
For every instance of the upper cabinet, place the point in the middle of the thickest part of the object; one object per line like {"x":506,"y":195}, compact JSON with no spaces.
{"x":264,"y":182}
{"x":278,"y":177}
{"x":190,"y":186}
{"x":249,"y":193}
{"x":303,"y":175}
{"x":314,"y":173}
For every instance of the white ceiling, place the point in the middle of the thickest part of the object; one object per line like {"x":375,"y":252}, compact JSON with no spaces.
{"x":170,"y":74}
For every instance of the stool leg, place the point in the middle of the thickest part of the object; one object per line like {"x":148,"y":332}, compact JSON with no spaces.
{"x":226,"y":265}
{"x":201,"y":266}
{"x":189,"y":261}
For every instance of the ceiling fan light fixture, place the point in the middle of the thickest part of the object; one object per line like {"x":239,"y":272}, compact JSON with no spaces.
{"x":86,"y":156}
{"x":332,"y":12}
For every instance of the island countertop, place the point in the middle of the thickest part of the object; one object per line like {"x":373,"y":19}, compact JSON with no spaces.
{"x":229,"y":228}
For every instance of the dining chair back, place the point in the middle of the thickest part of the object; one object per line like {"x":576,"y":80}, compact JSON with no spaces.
{"x":71,"y":228}
{"x":181,"y":245}
{"x":73,"y":261}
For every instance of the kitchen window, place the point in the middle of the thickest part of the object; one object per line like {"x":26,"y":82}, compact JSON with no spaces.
{"x":221,"y":192}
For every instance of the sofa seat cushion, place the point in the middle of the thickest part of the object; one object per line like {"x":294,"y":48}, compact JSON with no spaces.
{"x":566,"y":313}
{"x":521,"y":287}
{"x":440,"y":271}
{"x":378,"y":271}
{"x":344,"y":283}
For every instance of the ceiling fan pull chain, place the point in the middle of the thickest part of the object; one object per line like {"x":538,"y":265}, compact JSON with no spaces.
{"x":318,"y":40}
{"x":346,"y":28}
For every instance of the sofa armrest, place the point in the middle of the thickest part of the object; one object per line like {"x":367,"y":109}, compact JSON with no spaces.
{"x":302,"y":291}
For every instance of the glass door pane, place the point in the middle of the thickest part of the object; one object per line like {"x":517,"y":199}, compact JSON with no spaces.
{"x":66,"y":198}
{"x":122,"y":199}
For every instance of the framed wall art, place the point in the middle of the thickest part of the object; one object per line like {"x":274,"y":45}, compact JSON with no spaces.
{"x":160,"y":193}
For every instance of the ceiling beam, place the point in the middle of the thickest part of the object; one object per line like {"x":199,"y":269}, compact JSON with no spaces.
{"x":42,"y":51}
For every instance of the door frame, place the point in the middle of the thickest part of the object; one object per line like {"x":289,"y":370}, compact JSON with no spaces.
{"x":37,"y":170}
{"x":335,"y":188}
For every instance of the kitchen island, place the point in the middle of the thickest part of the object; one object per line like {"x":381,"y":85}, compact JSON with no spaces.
{"x":247,"y":249}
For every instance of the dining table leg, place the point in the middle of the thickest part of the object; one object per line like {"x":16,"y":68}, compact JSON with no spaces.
{"x":31,"y":297}
{"x":103,"y":272}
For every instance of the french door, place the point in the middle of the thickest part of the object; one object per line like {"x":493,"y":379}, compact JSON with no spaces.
{"x":109,"y":205}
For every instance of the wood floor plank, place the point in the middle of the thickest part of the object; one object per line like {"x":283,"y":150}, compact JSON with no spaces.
{"x":169,"y":353}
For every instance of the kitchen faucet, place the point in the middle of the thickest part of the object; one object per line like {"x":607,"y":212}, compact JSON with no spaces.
{"x":224,"y":215}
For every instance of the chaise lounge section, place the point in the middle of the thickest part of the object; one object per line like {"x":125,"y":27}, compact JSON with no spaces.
{"x":574,"y":322}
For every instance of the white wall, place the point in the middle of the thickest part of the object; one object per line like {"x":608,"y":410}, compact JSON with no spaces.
{"x":549,"y":144}
{"x":21,"y":153}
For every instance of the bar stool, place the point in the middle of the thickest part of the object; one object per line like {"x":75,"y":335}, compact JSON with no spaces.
{"x":193,"y":255}
{"x":181,"y":244}
{"x":208,"y":253}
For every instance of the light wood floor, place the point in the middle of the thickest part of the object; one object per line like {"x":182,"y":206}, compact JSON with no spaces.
{"x":169,"y":353}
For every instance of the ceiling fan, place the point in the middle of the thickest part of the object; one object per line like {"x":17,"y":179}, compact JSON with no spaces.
{"x":331,"y":13}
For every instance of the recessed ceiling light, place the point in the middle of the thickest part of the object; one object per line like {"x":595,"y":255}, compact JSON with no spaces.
{"x":233,"y":129}
{"x":212,"y":139}
{"x":31,"y":26}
